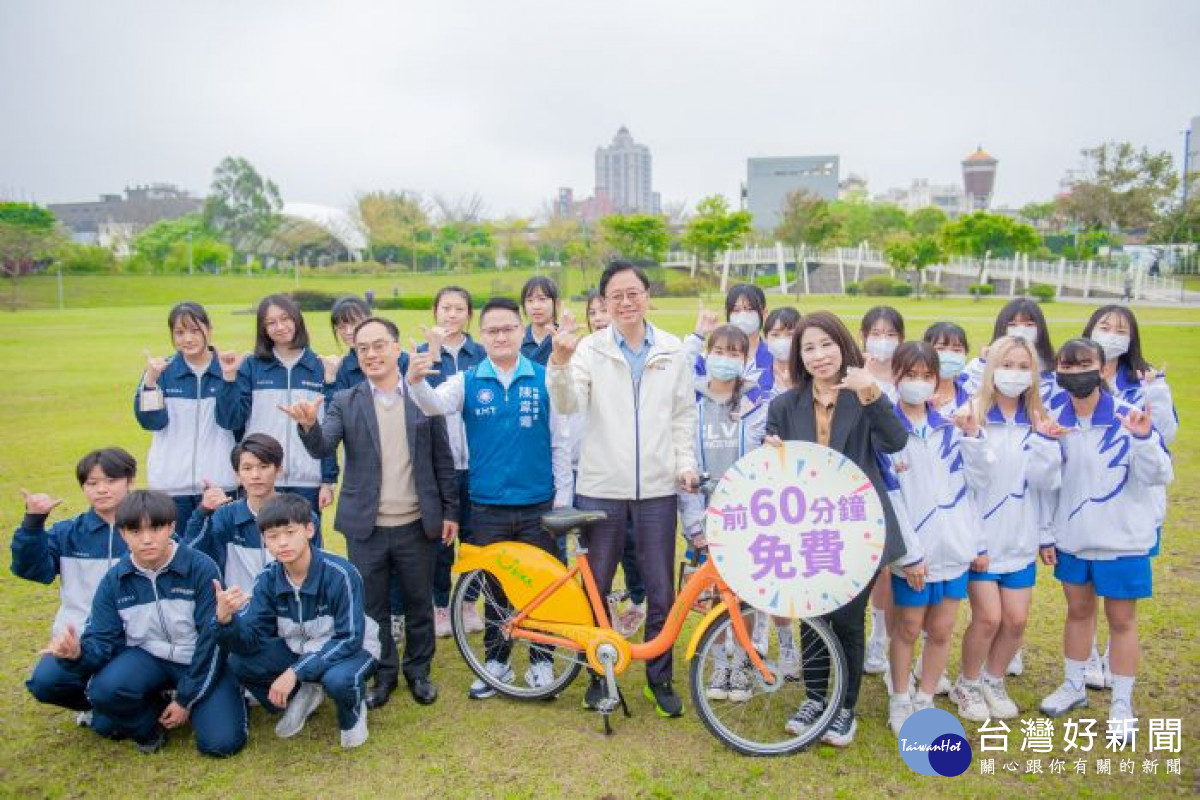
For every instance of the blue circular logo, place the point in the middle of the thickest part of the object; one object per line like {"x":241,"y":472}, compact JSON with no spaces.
{"x":485,"y":397}
{"x":933,"y":742}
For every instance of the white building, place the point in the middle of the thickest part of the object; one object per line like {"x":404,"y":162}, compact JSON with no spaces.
{"x":949,"y":198}
{"x":624,"y":176}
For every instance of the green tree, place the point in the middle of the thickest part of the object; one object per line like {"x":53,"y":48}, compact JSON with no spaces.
{"x":28,"y":237}
{"x":1122,"y":188}
{"x":512,"y":239}
{"x":927,"y":221}
{"x":859,"y":221}
{"x":1037,"y":213}
{"x":715,"y":228}
{"x":805,"y":220}
{"x":81,"y":259}
{"x":976,"y":234}
{"x":397,"y":224}
{"x":641,"y":237}
{"x":912,"y":254}
{"x":156,"y":241}
{"x":242,"y":207}
{"x":1182,"y":223}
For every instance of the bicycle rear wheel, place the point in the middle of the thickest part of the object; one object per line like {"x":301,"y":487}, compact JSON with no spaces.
{"x":535,"y":672}
{"x":748,"y":714}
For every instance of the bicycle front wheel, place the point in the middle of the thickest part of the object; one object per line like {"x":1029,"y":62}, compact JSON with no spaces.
{"x":515,"y":668}
{"x":752,"y":716}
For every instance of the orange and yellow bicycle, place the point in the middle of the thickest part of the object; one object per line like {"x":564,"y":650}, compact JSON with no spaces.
{"x":749,"y":673}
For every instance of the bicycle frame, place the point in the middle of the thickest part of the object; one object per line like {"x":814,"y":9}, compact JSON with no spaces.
{"x":577,"y":637}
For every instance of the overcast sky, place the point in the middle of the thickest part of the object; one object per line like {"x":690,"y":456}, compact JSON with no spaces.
{"x":510,"y":99}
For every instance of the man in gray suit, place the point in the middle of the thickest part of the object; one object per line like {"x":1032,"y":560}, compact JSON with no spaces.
{"x":399,"y":498}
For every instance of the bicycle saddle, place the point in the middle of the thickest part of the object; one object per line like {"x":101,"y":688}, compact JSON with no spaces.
{"x":565,"y":520}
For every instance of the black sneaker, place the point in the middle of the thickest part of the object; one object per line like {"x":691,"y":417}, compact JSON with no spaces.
{"x":595,"y":692}
{"x":809,"y":712}
{"x":841,"y":732}
{"x":666,"y":702}
{"x":155,"y":743}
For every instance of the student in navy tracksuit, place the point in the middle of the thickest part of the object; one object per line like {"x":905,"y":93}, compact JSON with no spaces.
{"x":539,"y":300}
{"x":149,"y":632}
{"x":344,"y":317}
{"x":520,"y":460}
{"x":283,"y":370}
{"x":228,"y":532}
{"x":946,"y":538}
{"x":176,"y":400}
{"x":78,"y":551}
{"x":301,"y":633}
{"x":1112,"y":462}
{"x":458,"y":352}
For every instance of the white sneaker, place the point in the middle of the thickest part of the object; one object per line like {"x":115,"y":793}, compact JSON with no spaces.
{"x":84,"y":719}
{"x":357,"y":735}
{"x":481,"y":690}
{"x":900,"y":708}
{"x":441,"y":622}
{"x":718,"y":684}
{"x":971,"y":703}
{"x":1106,"y":670}
{"x":789,"y":662}
{"x":876,"y":661}
{"x":471,"y":620}
{"x":998,"y":702}
{"x":921,"y":702}
{"x":739,"y":681}
{"x":1016,"y":666}
{"x":1064,"y":699}
{"x":539,"y":674}
{"x":1093,"y":674}
{"x":304,"y":702}
{"x":1122,"y":712}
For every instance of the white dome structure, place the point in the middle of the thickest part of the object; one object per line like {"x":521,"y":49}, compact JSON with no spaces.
{"x":311,"y":225}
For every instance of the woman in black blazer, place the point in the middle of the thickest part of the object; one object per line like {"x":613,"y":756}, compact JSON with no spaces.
{"x":836,"y":402}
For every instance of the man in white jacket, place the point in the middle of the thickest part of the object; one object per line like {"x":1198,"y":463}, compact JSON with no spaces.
{"x":634,"y":382}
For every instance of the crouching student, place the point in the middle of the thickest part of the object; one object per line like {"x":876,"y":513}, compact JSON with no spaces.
{"x":302,"y":634}
{"x":79,"y":551}
{"x":931,"y":579}
{"x":227,"y":531}
{"x":149,"y":633}
{"x":1111,"y":460}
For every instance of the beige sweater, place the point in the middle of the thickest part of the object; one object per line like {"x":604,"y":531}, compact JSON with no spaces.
{"x":398,"y":490}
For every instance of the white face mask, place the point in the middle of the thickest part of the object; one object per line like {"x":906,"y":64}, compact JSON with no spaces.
{"x":1026,"y":332}
{"x":748,"y":322}
{"x":1012,"y":382}
{"x":915,"y":392}
{"x":1114,"y":344}
{"x":780,"y":348}
{"x":882,"y":347}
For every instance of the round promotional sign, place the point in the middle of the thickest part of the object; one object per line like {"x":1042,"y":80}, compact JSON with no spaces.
{"x":796,"y":531}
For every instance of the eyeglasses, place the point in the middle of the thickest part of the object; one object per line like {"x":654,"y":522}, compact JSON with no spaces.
{"x":378,"y":347}
{"x":632,"y":295}
{"x":505,"y":330}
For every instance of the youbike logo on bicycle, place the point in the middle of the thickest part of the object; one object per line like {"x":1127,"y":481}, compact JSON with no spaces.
{"x":933,"y":742}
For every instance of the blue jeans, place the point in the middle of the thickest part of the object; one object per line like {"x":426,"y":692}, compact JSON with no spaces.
{"x":128,"y":691}
{"x":654,"y":519}
{"x":344,"y":682}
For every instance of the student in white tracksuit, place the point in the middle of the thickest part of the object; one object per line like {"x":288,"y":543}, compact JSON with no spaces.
{"x":1000,"y":435}
{"x":1130,"y":378}
{"x":931,"y":579}
{"x":1111,"y":461}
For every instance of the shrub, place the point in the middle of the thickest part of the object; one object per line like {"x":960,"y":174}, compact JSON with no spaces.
{"x":885,"y":286}
{"x":1044,"y":292}
{"x":410,"y":303}
{"x":311,"y":300}
{"x":981,"y":289}
{"x":901,"y":289}
{"x":935,"y":290}
{"x":854,"y":288}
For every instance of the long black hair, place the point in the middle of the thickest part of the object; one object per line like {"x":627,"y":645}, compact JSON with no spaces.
{"x":1024,"y":307}
{"x":263,"y":346}
{"x":189,"y":311}
{"x":1131,"y":361}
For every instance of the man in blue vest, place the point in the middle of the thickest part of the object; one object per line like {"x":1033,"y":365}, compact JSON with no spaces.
{"x":520,"y":461}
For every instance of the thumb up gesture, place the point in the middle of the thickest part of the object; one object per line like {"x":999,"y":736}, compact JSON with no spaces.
{"x":214,"y":496}
{"x":304,"y":412}
{"x":229,"y":601}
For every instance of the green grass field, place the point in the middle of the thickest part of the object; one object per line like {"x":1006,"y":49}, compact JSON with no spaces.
{"x":71,"y":378}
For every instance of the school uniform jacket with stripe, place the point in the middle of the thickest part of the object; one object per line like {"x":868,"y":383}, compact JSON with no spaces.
{"x":322,"y":620}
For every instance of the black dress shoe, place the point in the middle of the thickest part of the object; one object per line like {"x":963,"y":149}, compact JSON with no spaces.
{"x":423,"y":691}
{"x":380,"y":694}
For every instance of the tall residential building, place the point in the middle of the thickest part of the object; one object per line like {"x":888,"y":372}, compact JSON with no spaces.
{"x":979,"y":179}
{"x":769,"y":181}
{"x":624,"y":176}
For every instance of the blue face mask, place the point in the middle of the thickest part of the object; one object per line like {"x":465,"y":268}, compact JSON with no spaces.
{"x":723,"y":368}
{"x":951,"y":363}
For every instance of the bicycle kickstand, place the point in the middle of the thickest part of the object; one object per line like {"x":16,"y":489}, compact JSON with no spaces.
{"x":613,"y":694}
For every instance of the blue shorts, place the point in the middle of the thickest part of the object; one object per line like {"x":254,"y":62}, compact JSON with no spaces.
{"x":1157,"y":542}
{"x":933,"y":593}
{"x":1021,"y":579}
{"x":1125,"y":578}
